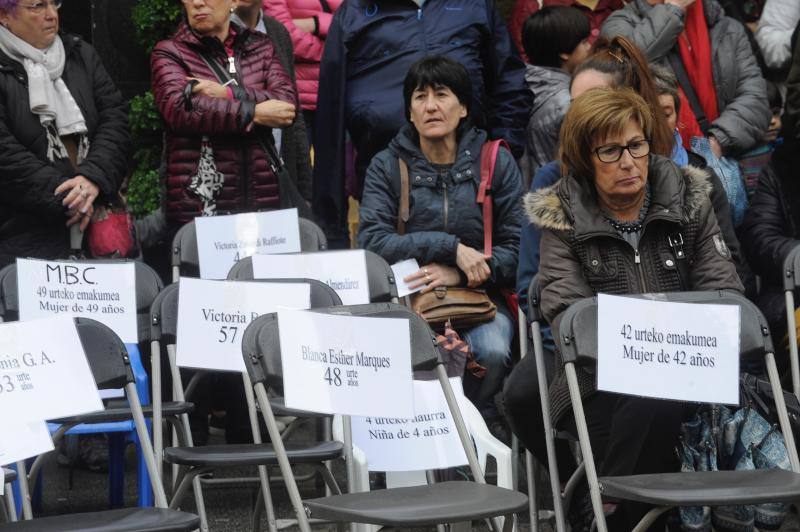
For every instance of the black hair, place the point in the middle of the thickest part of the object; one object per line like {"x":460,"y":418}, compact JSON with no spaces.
{"x":552,"y":31}
{"x":774,"y":96}
{"x":438,"y":71}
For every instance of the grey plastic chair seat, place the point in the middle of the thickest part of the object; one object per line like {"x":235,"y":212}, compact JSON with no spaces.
{"x":447,"y":502}
{"x":123,"y":413}
{"x":251,"y":454}
{"x":122,"y":520}
{"x":706,"y":488}
{"x":9,"y":475}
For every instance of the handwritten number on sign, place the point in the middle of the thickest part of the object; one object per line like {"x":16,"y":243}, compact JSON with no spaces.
{"x":227,"y":332}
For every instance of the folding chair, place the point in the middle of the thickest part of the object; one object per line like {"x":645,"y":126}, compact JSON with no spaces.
{"x":447,"y":502}
{"x":536,"y":320}
{"x":791,"y":281}
{"x":382,"y":285}
{"x":577,"y":340}
{"x":201,"y":460}
{"x":116,"y":419}
{"x":184,"y":246}
{"x":110,"y":365}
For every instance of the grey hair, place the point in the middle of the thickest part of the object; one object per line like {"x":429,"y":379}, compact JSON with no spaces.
{"x":665,"y":83}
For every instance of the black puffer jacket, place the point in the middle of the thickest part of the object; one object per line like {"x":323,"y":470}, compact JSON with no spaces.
{"x":581,"y":255}
{"x":31,"y":216}
{"x":769,"y":230}
{"x":443,"y":212}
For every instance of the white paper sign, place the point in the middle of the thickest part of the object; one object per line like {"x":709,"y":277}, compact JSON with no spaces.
{"x":427,"y":440}
{"x":346,"y":364}
{"x":401,"y":270}
{"x":344,"y":271}
{"x":22,"y":440}
{"x":681,"y":351}
{"x":44,"y":373}
{"x":222,"y":241}
{"x":103,"y":292}
{"x":212,"y":317}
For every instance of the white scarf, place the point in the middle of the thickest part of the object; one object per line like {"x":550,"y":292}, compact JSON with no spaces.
{"x":48,"y":95}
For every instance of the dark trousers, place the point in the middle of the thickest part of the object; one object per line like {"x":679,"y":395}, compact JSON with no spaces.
{"x":631,"y":435}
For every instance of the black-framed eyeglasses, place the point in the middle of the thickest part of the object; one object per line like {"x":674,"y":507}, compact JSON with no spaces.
{"x":613,"y":152}
{"x":38,"y":8}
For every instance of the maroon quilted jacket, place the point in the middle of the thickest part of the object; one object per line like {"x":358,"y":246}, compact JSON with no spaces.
{"x":232,"y":172}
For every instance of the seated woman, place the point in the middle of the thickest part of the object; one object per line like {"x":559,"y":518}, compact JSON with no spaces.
{"x":606,"y":227}
{"x":444,"y":232}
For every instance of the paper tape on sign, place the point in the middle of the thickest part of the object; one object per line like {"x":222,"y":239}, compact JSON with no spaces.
{"x":23,"y":440}
{"x":426,"y":440}
{"x":44,"y":373}
{"x":101,"y":291}
{"x":666,"y":350}
{"x":222,"y":241}
{"x":346,"y":365}
{"x":344,"y":271}
{"x":212,"y":317}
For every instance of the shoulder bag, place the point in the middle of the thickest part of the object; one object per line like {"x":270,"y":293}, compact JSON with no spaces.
{"x":464,"y":308}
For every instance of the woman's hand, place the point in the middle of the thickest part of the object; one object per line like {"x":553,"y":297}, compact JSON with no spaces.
{"x":205,"y":87}
{"x":274,"y":113}
{"x":473,"y":264}
{"x":305,"y":24}
{"x":433,"y":275}
{"x":79,"y":200}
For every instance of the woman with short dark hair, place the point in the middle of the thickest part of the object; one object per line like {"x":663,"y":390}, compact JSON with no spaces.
{"x":445,"y":227}
{"x":611,"y":225}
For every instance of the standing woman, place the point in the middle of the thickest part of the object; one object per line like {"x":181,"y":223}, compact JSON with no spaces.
{"x":64,"y":140}
{"x":218,"y":132}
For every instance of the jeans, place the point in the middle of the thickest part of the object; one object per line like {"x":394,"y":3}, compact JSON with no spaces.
{"x":490,"y":344}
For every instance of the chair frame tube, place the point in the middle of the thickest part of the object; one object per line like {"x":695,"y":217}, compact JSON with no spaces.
{"x":531,"y":471}
{"x":11,"y":506}
{"x":586,"y":447}
{"x":791,"y":324}
{"x":555,"y":480}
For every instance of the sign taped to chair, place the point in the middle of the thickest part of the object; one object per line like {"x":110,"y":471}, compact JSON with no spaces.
{"x":344,"y":271}
{"x":668,"y":350}
{"x":23,"y":440}
{"x":347,"y":365}
{"x":212,"y":317}
{"x":105,"y":292}
{"x":44,"y":373}
{"x":222,"y":241}
{"x":426,"y":440}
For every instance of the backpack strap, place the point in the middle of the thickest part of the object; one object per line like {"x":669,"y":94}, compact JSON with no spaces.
{"x":402,"y":211}
{"x":489,"y":153}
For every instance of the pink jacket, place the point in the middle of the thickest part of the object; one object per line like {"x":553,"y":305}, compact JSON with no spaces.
{"x":307,"y":47}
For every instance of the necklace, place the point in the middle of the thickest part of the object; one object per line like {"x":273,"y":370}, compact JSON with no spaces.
{"x":635,"y":226}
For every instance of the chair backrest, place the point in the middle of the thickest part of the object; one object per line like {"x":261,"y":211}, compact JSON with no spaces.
{"x":382,"y":285}
{"x":164,"y":311}
{"x":791,"y":269}
{"x":106,"y":354}
{"x":9,"y":307}
{"x":148,"y":285}
{"x":577,"y":329}
{"x":261,"y":346}
{"x":184,"y":244}
{"x":535,"y":301}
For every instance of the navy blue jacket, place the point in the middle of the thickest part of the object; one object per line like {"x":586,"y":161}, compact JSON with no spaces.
{"x":368,"y":51}
{"x":442,"y":212}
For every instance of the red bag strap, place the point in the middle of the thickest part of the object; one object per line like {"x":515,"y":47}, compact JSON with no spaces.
{"x":489,"y":153}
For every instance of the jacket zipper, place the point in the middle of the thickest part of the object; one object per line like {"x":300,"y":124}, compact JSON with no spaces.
{"x":245,"y":176}
{"x":637,"y":259}
{"x":444,"y":187}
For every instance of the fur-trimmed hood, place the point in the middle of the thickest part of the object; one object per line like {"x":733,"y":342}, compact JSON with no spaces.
{"x":677,"y":194}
